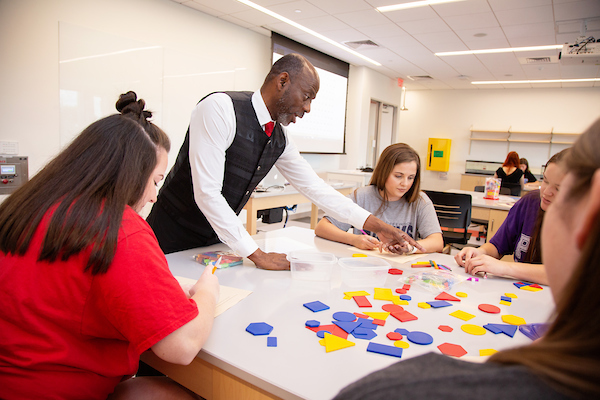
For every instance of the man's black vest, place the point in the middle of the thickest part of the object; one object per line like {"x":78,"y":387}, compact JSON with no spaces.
{"x":249,"y":158}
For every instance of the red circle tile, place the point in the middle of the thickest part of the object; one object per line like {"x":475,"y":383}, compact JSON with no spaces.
{"x":392,"y":308}
{"x":488,"y":308}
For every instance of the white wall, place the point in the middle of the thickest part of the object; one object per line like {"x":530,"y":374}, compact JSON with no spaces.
{"x":451,"y":113}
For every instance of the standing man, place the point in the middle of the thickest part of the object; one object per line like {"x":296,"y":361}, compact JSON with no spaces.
{"x":233,"y":140}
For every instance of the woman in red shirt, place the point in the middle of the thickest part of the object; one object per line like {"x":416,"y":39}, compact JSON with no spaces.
{"x":84,"y":286}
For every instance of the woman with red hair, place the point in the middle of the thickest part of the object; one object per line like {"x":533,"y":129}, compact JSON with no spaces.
{"x":511,"y":174}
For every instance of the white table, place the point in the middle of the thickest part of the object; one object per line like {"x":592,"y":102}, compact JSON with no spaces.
{"x":350,"y":175}
{"x":283,"y":197}
{"x":235,"y":364}
{"x":493,"y":211}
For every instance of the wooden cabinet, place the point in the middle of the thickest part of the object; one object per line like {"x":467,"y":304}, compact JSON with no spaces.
{"x":496,"y":219}
{"x":468,"y":182}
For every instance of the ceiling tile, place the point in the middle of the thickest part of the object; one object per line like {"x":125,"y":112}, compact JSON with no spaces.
{"x":531,"y":15}
{"x":577,"y":10}
{"x":472,"y":21}
{"x":284,"y":29}
{"x":501,"y":5}
{"x":547,"y":71}
{"x":323,"y":24}
{"x":336,"y":6}
{"x":306,"y":9}
{"x":519,"y":31}
{"x":441,"y":41}
{"x":524,"y":41}
{"x":462,"y":8}
{"x":384,"y":30}
{"x":224,"y":6}
{"x":358,"y":19}
{"x":255,"y":17}
{"x":424,"y":26}
{"x":579,"y":71}
{"x":203,"y":8}
{"x":237,"y":21}
{"x":410,"y":14}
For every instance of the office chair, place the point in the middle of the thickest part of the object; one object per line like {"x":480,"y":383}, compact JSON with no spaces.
{"x":453,"y":211}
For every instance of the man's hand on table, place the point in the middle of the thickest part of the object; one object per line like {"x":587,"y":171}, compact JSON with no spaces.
{"x":271,"y":261}
{"x":392,"y":239}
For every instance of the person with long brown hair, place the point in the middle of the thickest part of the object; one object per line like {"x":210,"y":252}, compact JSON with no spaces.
{"x":562,"y":364}
{"x":394,"y":196}
{"x":510,"y":174}
{"x":84,"y":285}
{"x":519,"y":234}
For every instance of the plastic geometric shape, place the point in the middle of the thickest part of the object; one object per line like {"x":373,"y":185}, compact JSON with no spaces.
{"x":511,"y":295}
{"x":534,"y":331}
{"x":402,"y":331}
{"x":465,"y":316}
{"x":473,"y":279}
{"x":488,"y":308}
{"x":402,"y":344}
{"x":505,"y":298}
{"x":383,"y":349}
{"x":530,"y":288}
{"x":405,"y":297}
{"x":363,"y":333}
{"x":392,"y":308}
{"x":395,"y":271}
{"x":383,"y":294}
{"x":316,"y":306}
{"x":535,"y":285}
{"x":424,"y":305}
{"x":344,"y":316}
{"x":394,"y":336}
{"x":439,"y":303}
{"x":359,"y":255}
{"x":347,"y":326}
{"x":367,"y":324}
{"x":322,"y":341}
{"x":401,"y":291}
{"x":447,"y":297}
{"x":272,"y":341}
{"x":362,"y":301}
{"x":492,"y":328}
{"x":360,"y":315}
{"x":378,"y":315}
{"x":259,"y":328}
{"x":505,"y":303}
{"x":450,"y":349}
{"x":404,"y":316}
{"x":513,"y":320}
{"x":312,"y":323}
{"x":400,"y":302}
{"x":406,"y":286}
{"x":333,"y":343}
{"x":520,"y":284}
{"x":357,"y":293}
{"x":445,"y":328}
{"x":333,"y":329}
{"x":487,"y":352}
{"x":420,"y":265}
{"x":508,"y":330}
{"x":419,"y":337}
{"x":321,"y":334}
{"x":461,"y":294}
{"x":379,"y":322}
{"x":473,"y":329}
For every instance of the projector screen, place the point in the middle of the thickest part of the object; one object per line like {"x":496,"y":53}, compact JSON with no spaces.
{"x":323,"y":129}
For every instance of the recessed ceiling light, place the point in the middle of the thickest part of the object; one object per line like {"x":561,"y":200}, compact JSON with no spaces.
{"x":503,"y":50}
{"x":536,"y":81}
{"x":413,"y":4}
{"x":480,"y":34}
{"x":298,"y":11}
{"x":309,"y":31}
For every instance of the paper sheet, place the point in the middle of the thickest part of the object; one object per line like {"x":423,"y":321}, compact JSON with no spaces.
{"x":281,"y":245}
{"x":228,"y":296}
{"x":397,"y":258}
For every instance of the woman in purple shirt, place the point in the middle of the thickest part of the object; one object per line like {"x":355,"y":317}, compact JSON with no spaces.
{"x":519,"y":234}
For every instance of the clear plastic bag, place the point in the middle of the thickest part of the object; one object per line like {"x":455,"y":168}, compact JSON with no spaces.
{"x":436,"y":281}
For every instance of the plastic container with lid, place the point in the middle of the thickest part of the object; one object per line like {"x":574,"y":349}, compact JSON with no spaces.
{"x":311,"y":265}
{"x":364,"y":271}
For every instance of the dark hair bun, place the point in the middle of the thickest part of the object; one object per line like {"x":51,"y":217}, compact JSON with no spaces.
{"x":129,"y":104}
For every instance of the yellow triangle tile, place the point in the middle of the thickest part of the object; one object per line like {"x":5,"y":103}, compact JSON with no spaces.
{"x":378,"y":315}
{"x":350,"y":295}
{"x":513,"y":320}
{"x":333,"y":343}
{"x":424,"y":305}
{"x":384,"y":294}
{"x":487,"y":352}
{"x":511,"y":295}
{"x":531,"y":289}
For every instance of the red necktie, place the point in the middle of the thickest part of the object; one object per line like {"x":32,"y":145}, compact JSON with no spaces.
{"x":269,"y":128}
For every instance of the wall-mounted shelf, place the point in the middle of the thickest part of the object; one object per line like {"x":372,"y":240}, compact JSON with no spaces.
{"x":515,"y":136}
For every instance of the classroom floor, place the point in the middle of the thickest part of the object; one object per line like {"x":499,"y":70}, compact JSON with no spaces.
{"x":303,"y":221}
